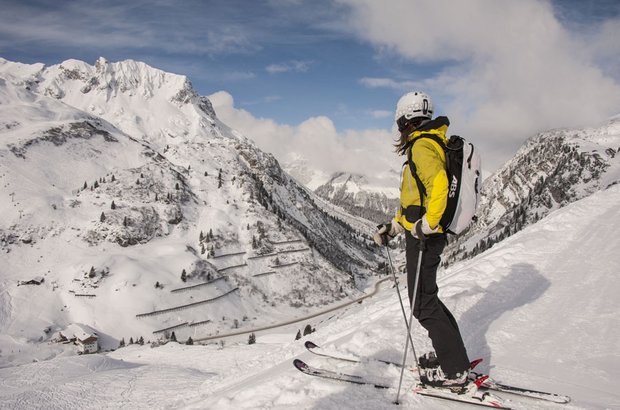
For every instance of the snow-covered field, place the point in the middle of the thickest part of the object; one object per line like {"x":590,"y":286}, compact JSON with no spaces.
{"x":540,"y":308}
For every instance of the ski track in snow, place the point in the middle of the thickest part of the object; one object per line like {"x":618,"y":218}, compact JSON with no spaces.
{"x":5,"y":307}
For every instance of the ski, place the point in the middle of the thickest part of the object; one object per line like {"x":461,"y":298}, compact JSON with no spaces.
{"x":479,"y":398}
{"x":333,"y":354}
{"x":328,"y":374}
{"x":474,"y":396}
{"x":491,"y":384}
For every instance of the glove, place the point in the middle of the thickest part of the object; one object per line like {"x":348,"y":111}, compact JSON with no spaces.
{"x":421,"y":229}
{"x":387,"y":231}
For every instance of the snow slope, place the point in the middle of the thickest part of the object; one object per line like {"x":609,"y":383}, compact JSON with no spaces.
{"x":540,"y":307}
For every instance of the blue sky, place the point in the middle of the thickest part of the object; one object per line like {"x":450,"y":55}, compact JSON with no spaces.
{"x":502,"y":70}
{"x":285,"y":60}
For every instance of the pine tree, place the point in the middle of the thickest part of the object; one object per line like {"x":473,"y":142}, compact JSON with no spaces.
{"x":92,"y":273}
{"x":122,"y":343}
{"x":131,"y":340}
{"x":219,"y":179}
{"x":96,"y":184}
{"x":85,"y":185}
{"x":252,"y":339}
{"x":201,"y":237}
{"x":298,"y":335}
{"x":190,"y":341}
{"x":173,"y":337}
{"x":125,"y":221}
{"x":307,"y":330}
{"x":141,"y":341}
{"x":113,"y":178}
{"x":113,"y":206}
{"x":184,"y":276}
{"x":102,"y":217}
{"x":157,"y":285}
{"x":176,"y":186}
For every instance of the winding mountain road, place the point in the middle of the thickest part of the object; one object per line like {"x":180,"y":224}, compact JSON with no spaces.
{"x":290,"y":322}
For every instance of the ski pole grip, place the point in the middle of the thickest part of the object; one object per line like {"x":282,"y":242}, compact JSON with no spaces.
{"x":419,"y":233}
{"x":385,"y":235}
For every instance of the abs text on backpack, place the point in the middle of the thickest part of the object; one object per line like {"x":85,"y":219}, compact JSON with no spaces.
{"x":464,"y":182}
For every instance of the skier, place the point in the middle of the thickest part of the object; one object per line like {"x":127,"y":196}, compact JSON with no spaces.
{"x":422,"y":203}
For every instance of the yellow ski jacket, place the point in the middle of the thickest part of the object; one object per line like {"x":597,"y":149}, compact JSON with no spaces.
{"x":430,"y":162}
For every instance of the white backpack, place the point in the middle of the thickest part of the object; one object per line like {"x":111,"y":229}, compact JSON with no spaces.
{"x":463,"y":167}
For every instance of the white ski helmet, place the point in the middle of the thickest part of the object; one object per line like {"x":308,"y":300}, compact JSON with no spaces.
{"x":413,"y":105}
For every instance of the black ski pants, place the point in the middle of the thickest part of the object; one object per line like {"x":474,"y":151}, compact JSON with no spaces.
{"x":432,"y":314}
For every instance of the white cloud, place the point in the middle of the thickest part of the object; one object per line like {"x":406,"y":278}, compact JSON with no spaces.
{"x":293,"y":65}
{"x":374,"y":82}
{"x":604,"y":47}
{"x":512,"y":68}
{"x":378,"y":114}
{"x":238,"y":76}
{"x":316,"y":139}
{"x":113,"y":25}
{"x":264,"y":100}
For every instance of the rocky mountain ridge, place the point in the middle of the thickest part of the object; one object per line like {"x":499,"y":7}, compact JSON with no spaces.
{"x":354,"y":194}
{"x":551,"y":170}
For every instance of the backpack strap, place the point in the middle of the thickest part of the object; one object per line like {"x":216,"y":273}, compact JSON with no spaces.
{"x":410,"y":162}
{"x":414,"y":173}
{"x":413,"y":169}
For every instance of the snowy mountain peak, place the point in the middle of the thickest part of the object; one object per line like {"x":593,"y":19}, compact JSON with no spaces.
{"x":358,"y":196}
{"x":352,"y":180}
{"x":128,"y":77}
{"x":159,"y":107}
{"x":123,"y":186}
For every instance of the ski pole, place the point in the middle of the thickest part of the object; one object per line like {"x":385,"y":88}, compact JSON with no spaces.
{"x":415,"y":291}
{"x":400,"y":299}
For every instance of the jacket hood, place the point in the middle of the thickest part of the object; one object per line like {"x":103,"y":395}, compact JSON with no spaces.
{"x":437,"y":126}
